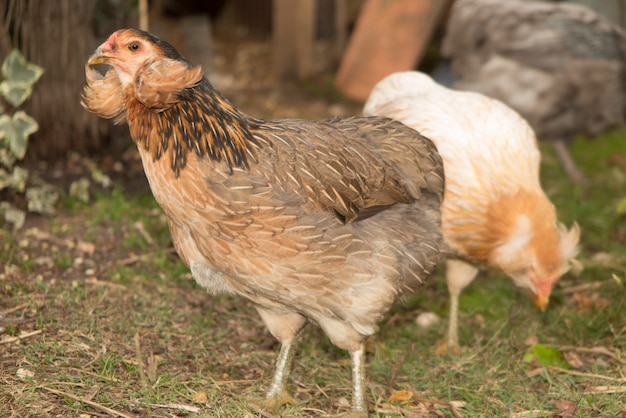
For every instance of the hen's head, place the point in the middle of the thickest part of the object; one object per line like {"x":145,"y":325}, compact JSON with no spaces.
{"x":145,"y":68}
{"x":129,"y":50}
{"x":533,"y":248}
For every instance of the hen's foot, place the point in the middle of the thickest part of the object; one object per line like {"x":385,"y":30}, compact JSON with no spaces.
{"x":275,"y":402}
{"x":443,"y":347}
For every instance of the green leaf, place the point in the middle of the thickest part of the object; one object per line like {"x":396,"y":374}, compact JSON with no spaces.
{"x":16,"y":179}
{"x":79,"y":189}
{"x":12,"y":215}
{"x":16,"y":92}
{"x":101,"y":178}
{"x":19,"y":177}
{"x":17,"y":130}
{"x":41,"y":199}
{"x":16,"y":68}
{"x":6,"y":124}
{"x":546,"y":356}
{"x":5,"y":179}
{"x":7,"y":158}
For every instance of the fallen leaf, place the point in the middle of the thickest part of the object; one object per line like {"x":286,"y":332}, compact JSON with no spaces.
{"x":531,"y":340}
{"x":342,"y":402}
{"x":401,"y":396}
{"x":574,"y":360}
{"x":44,"y":261}
{"x":200,"y":397}
{"x":565,"y":407}
{"x":546,"y":356}
{"x":86,"y":247}
{"x":24,"y":374}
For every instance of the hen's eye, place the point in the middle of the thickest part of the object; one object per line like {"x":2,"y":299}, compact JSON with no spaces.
{"x":133,"y":46}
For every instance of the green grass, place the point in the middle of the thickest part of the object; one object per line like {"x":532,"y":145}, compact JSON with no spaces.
{"x":138,"y":336}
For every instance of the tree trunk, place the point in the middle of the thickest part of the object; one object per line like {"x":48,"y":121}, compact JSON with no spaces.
{"x":59,"y":36}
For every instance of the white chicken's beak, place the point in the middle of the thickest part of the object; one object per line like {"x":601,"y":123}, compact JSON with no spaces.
{"x":541,"y":297}
{"x":541,"y":302}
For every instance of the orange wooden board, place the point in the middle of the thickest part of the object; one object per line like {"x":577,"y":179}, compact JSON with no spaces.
{"x":390,"y":36}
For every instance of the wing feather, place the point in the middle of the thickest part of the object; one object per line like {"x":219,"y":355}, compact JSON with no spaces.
{"x":348,"y":164}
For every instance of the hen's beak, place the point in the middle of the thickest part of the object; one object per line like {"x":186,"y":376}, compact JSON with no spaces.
{"x":99,"y":57}
{"x":541,"y":302}
{"x":542,"y":295}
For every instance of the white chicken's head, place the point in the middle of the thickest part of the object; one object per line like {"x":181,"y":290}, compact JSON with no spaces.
{"x":536,"y":254}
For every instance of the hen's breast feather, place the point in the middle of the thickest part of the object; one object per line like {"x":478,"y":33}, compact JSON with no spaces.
{"x":290,"y":253}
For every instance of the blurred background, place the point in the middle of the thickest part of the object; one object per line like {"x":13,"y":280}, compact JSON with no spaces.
{"x":240,"y":43}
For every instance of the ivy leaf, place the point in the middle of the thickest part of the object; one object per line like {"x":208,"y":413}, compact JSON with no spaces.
{"x":16,"y":130}
{"x":12,"y":215}
{"x":19,"y":78}
{"x":16,"y":68}
{"x":80,"y":189}
{"x":18,"y":178}
{"x":5,"y":179}
{"x":41,"y":199}
{"x":6,"y":124}
{"x":16,"y":92}
{"x":7,"y":158}
{"x":546,"y":356}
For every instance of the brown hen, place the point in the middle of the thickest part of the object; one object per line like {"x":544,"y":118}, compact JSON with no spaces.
{"x":328,"y":221}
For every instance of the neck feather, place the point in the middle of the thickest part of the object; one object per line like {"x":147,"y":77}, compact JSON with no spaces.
{"x":202,"y":122}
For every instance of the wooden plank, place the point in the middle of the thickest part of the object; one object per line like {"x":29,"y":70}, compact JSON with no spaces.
{"x":293,"y":37}
{"x":390,"y":36}
{"x":341,"y":27}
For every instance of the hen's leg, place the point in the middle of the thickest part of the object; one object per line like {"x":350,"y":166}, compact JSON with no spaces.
{"x":459,"y":274}
{"x":359,"y":405}
{"x":572,"y":170}
{"x":278,"y":395}
{"x":344,"y":336}
{"x":286,"y":328}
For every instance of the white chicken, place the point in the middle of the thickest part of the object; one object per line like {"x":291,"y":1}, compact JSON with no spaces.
{"x":494,"y":212}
